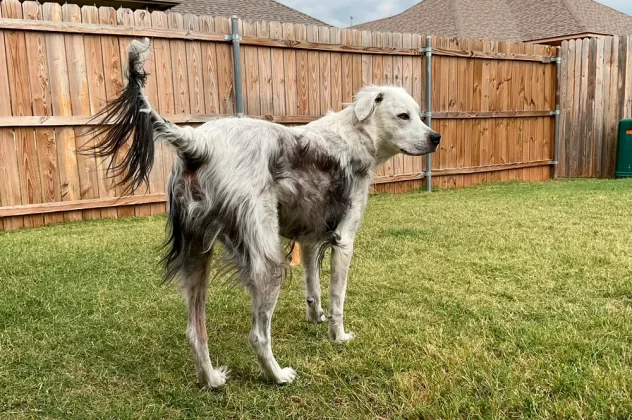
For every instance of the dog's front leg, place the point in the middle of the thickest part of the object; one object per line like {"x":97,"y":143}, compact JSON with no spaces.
{"x":340,"y":261}
{"x":313,"y":309}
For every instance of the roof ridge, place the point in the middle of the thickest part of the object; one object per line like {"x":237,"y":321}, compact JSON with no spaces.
{"x":571,"y":9}
{"x":391,"y":17}
{"x":304,"y":14}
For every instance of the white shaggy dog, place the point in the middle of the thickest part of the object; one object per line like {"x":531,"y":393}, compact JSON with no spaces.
{"x":246,"y":182}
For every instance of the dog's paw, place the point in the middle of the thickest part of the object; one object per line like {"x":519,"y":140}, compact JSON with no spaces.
{"x":341,"y":337}
{"x":216,"y":378}
{"x":316,"y":317}
{"x":286,"y":376}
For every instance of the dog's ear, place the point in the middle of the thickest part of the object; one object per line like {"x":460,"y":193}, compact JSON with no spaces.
{"x":366,"y":101}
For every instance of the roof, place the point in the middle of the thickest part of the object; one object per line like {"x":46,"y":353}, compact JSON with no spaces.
{"x":250,"y":10}
{"x":508,"y":20}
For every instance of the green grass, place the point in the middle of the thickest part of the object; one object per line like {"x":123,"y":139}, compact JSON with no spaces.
{"x":497,"y":301}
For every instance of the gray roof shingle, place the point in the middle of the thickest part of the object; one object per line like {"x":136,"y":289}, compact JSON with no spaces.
{"x":250,"y":10}
{"x":508,"y":20}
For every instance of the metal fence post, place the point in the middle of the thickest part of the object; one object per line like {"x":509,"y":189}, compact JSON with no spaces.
{"x":558,"y":63}
{"x":236,"y":38}
{"x":428,"y":51}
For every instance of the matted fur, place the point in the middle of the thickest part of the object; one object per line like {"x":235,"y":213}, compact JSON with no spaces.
{"x":246,"y":182}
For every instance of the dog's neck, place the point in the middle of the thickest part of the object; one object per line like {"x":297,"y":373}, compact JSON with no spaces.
{"x":359,"y":134}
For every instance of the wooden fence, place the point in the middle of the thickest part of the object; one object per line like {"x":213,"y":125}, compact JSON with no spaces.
{"x":596,"y":93}
{"x":491,"y":101}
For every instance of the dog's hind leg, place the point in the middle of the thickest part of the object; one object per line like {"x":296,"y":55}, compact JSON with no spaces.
{"x":263,"y":268}
{"x":193,"y":284}
{"x":264,"y":298}
{"x":313,"y":309}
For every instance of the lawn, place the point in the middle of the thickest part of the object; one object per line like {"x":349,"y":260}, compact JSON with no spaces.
{"x":497,"y":301}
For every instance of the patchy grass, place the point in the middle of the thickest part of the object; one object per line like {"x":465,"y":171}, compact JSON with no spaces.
{"x":497,"y":301}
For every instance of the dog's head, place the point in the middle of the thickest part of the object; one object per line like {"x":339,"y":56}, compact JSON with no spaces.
{"x":391,"y":117}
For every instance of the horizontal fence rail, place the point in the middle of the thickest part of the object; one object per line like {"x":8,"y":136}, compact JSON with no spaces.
{"x":493,"y":102}
{"x":131,"y":31}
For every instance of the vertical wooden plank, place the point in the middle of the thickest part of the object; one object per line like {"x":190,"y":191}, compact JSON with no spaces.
{"x":41,"y":101}
{"x":620,"y":101}
{"x":530,"y":124}
{"x":576,"y":120}
{"x":407,"y":83}
{"x":419,"y":91}
{"x":570,"y":103}
{"x":313,"y":63}
{"x":302,"y":85}
{"x":387,"y":79}
{"x":193,"y":51}
{"x":457,"y":102}
{"x":548,"y":102}
{"x":440,"y":69}
{"x":517,"y":92}
{"x":610,"y":63}
{"x":265,"y":71}
{"x":599,"y":94}
{"x":164,"y":73}
{"x":325,"y":72}
{"x":336,"y":73}
{"x":180,"y":82}
{"x":469,"y":139}
{"x":97,"y":100}
{"x":278,"y":71}
{"x":387,"y":61}
{"x":125,"y":17}
{"x":10,"y":194}
{"x":209,"y":68}
{"x":347,"y":69}
{"x":226,"y":92}
{"x":250,"y":69}
{"x":243,"y":28}
{"x":80,"y":105}
{"x":477,"y":104}
{"x":551,"y":90}
{"x":564,"y":108}
{"x":61,"y":106}
{"x":377,"y":64}
{"x":377,"y":61}
{"x":500,"y":132}
{"x":618,"y":80}
{"x":589,"y":140}
{"x":20,"y":97}
{"x":453,"y":94}
{"x":511,"y":103}
{"x":603,"y":97}
{"x":165,"y":85}
{"x":112,"y":70}
{"x":398,"y":70}
{"x":356,"y":39}
{"x":157,"y":182}
{"x":627,"y":105}
{"x":290,"y":72}
{"x":537,"y":103}
{"x":582,"y":110}
{"x":485,"y":130}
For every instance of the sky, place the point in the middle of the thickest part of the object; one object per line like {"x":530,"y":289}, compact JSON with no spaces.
{"x":337,"y":12}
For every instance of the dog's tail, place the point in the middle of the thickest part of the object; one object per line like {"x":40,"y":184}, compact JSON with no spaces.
{"x":131,"y":115}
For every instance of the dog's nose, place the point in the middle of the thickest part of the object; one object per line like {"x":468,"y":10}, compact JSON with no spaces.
{"x":435,"y":138}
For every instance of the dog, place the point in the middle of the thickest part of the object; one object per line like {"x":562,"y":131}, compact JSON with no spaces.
{"x":245,"y":183}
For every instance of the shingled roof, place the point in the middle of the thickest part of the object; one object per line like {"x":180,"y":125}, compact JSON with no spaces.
{"x":251,"y":10}
{"x":507,"y":20}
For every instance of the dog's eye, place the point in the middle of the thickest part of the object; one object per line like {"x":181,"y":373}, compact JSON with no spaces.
{"x":404,"y":116}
